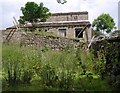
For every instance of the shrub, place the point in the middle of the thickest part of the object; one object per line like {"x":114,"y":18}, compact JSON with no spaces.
{"x":48,"y":75}
{"x":18,"y":64}
{"x":12,"y":64}
{"x":66,"y":80}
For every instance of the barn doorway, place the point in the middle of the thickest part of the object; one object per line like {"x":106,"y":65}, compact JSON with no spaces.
{"x":78,"y":33}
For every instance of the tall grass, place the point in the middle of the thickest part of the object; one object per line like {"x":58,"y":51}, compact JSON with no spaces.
{"x":18,"y":64}
{"x":69,"y":69}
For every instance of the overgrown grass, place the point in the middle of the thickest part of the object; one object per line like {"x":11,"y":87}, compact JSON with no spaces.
{"x":35,"y":69}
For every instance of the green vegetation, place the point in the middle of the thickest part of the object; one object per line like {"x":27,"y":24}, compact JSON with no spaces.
{"x":43,"y":32}
{"x":103,"y":23}
{"x":33,"y":12}
{"x":41,"y":69}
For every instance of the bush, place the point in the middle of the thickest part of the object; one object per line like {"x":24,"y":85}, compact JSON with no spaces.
{"x":12,"y":64}
{"x":48,"y":75}
{"x":18,"y":64}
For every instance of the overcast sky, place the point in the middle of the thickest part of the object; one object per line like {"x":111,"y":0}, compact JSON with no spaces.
{"x":10,"y":8}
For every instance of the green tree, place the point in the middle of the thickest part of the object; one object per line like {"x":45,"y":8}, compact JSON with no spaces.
{"x":33,"y":12}
{"x":103,"y":23}
{"x":96,"y":33}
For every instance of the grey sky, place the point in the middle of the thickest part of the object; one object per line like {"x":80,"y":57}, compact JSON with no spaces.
{"x":10,"y":8}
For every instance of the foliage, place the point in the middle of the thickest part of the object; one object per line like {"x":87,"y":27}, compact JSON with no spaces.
{"x":110,"y":52}
{"x":103,"y":23}
{"x":48,"y":75}
{"x":42,"y":32}
{"x":69,"y":69}
{"x":96,"y":33}
{"x":17,"y":64}
{"x":11,"y":65}
{"x":33,"y":12}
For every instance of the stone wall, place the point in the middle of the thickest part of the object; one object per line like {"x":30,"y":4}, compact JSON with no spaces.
{"x":55,"y":43}
{"x":71,"y":16}
{"x":16,"y":37}
{"x":40,"y":40}
{"x":110,"y":48}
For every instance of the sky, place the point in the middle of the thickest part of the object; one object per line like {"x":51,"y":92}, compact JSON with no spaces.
{"x":11,"y":8}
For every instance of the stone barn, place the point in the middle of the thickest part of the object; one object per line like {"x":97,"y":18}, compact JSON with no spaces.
{"x":70,"y":25}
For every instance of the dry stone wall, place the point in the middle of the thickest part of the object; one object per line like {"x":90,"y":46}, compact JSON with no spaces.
{"x":40,"y":40}
{"x":55,"y":43}
{"x":15,"y":38}
{"x":110,"y":48}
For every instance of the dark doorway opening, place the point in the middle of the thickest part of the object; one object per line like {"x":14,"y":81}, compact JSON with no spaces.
{"x":78,"y":33}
